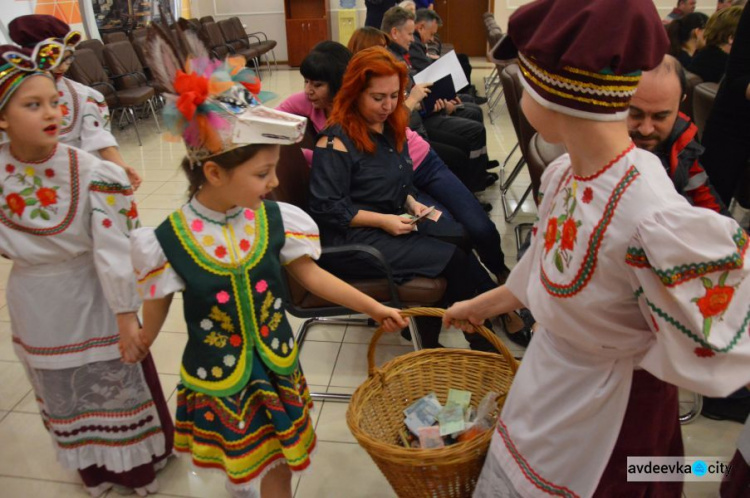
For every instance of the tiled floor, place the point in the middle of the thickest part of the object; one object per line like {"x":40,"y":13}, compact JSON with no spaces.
{"x":334,"y":359}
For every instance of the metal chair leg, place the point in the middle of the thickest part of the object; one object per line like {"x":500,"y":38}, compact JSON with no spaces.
{"x":310,"y":322}
{"x":507,"y":182}
{"x":506,"y":206}
{"x":153,"y":111}
{"x":135,"y":125}
{"x":694,"y":411}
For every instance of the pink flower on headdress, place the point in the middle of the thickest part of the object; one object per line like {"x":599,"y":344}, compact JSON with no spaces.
{"x":193,"y":91}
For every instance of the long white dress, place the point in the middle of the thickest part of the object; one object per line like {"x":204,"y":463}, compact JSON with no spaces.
{"x":622,"y":274}
{"x":65,"y":224}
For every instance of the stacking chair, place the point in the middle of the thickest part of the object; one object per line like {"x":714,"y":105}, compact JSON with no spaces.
{"x":88,"y":70}
{"x":130,"y":80}
{"x":214,"y":40}
{"x":294,"y":174}
{"x":234,"y":40}
{"x":206,"y":19}
{"x":510,"y":79}
{"x":140,"y":45}
{"x":256,"y":41}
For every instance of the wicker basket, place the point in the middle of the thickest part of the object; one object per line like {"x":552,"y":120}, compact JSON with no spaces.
{"x":375,"y":413}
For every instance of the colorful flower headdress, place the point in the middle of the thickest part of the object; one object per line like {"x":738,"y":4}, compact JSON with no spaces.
{"x":17,"y":64}
{"x":211,"y":104}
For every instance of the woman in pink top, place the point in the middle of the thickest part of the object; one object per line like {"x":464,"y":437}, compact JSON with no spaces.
{"x":323,"y":70}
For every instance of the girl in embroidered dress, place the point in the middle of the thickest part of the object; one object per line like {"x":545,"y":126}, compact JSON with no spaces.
{"x":633,"y":289}
{"x":243,"y":403}
{"x":85,"y":115}
{"x":65,"y":219}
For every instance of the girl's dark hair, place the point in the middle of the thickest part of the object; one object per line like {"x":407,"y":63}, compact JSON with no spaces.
{"x":679,"y":30}
{"x":327,"y":62}
{"x":227,"y":161}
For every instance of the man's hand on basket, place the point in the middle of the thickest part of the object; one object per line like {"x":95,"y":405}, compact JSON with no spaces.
{"x":463,"y":315}
{"x":390,"y":319}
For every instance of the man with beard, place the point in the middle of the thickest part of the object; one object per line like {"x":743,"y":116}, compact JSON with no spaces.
{"x":655,"y":124}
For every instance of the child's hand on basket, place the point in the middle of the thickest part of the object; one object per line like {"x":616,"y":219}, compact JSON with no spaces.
{"x":462,"y":315}
{"x":389,"y":318}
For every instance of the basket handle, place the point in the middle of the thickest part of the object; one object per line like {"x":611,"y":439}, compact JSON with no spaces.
{"x":439,"y":312}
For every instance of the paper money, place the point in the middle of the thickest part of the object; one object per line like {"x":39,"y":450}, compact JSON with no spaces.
{"x":458,"y":397}
{"x":422,"y":413}
{"x":429,"y":437}
{"x":451,"y":419}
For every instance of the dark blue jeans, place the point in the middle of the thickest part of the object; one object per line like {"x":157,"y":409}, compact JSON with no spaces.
{"x":440,"y":187}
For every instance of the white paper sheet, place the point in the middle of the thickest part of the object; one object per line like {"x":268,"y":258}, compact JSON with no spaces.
{"x":447,"y":64}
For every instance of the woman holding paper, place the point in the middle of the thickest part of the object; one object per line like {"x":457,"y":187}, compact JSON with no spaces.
{"x":361,"y":184}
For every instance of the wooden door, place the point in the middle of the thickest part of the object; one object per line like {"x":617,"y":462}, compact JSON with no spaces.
{"x":463,"y":25}
{"x":296,"y":40}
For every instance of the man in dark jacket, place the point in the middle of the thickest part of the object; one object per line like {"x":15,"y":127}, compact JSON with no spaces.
{"x":656,"y":125}
{"x":375,"y":11}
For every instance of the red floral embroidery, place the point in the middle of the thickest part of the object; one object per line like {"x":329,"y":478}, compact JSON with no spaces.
{"x":235,"y":340}
{"x":245,"y":245}
{"x":46,"y":196}
{"x":533,"y":230}
{"x":16,"y":203}
{"x":264,"y":331}
{"x":569,"y":232}
{"x":588,"y":195}
{"x":133,"y":211}
{"x":220,"y":252}
{"x":551,"y":236}
{"x":704,"y":353}
{"x":10,"y":168}
{"x":49,"y":172}
{"x":64,"y":109}
{"x":107,"y":223}
{"x":714,"y":302}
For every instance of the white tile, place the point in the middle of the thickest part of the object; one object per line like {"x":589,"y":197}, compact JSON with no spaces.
{"x":174,"y":188}
{"x":167,"y":351}
{"x":175,"y":321}
{"x":323,"y":332}
{"x":32,"y":488}
{"x":343,"y":470}
{"x":148,"y":188}
{"x":15,"y":385}
{"x":28,"y":451}
{"x":351,"y":367}
{"x":181,"y":478}
{"x":28,"y":404}
{"x":332,"y":423}
{"x":162,"y":201}
{"x":317,"y":360}
{"x":153,"y":217}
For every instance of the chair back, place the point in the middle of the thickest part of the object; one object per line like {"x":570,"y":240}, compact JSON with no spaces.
{"x":510,"y":77}
{"x":541,"y":154}
{"x":692,"y":80}
{"x":87,"y":70}
{"x":206,"y":19}
{"x":293,"y":173}
{"x":214,"y":39}
{"x":96,"y":46}
{"x":122,"y":59}
{"x":115,"y":36}
{"x":704,"y":95}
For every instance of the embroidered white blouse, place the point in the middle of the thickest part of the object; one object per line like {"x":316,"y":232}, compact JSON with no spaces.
{"x":65,"y":223}
{"x":622,"y":273}
{"x":224,"y":236}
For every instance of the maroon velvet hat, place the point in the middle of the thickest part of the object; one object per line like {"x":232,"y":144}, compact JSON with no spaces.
{"x":582,"y":57}
{"x":29,"y":30}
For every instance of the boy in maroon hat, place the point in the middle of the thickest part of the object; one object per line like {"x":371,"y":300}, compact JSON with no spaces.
{"x":86,"y":120}
{"x":629,"y":297}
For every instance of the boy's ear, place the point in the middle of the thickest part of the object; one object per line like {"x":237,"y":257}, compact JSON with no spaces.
{"x":213,"y":173}
{"x":3,"y":122}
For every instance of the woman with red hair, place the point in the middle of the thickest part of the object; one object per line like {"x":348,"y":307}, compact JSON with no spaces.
{"x":361,"y":185}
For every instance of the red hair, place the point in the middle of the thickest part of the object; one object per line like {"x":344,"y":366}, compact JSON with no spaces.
{"x":370,"y":63}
